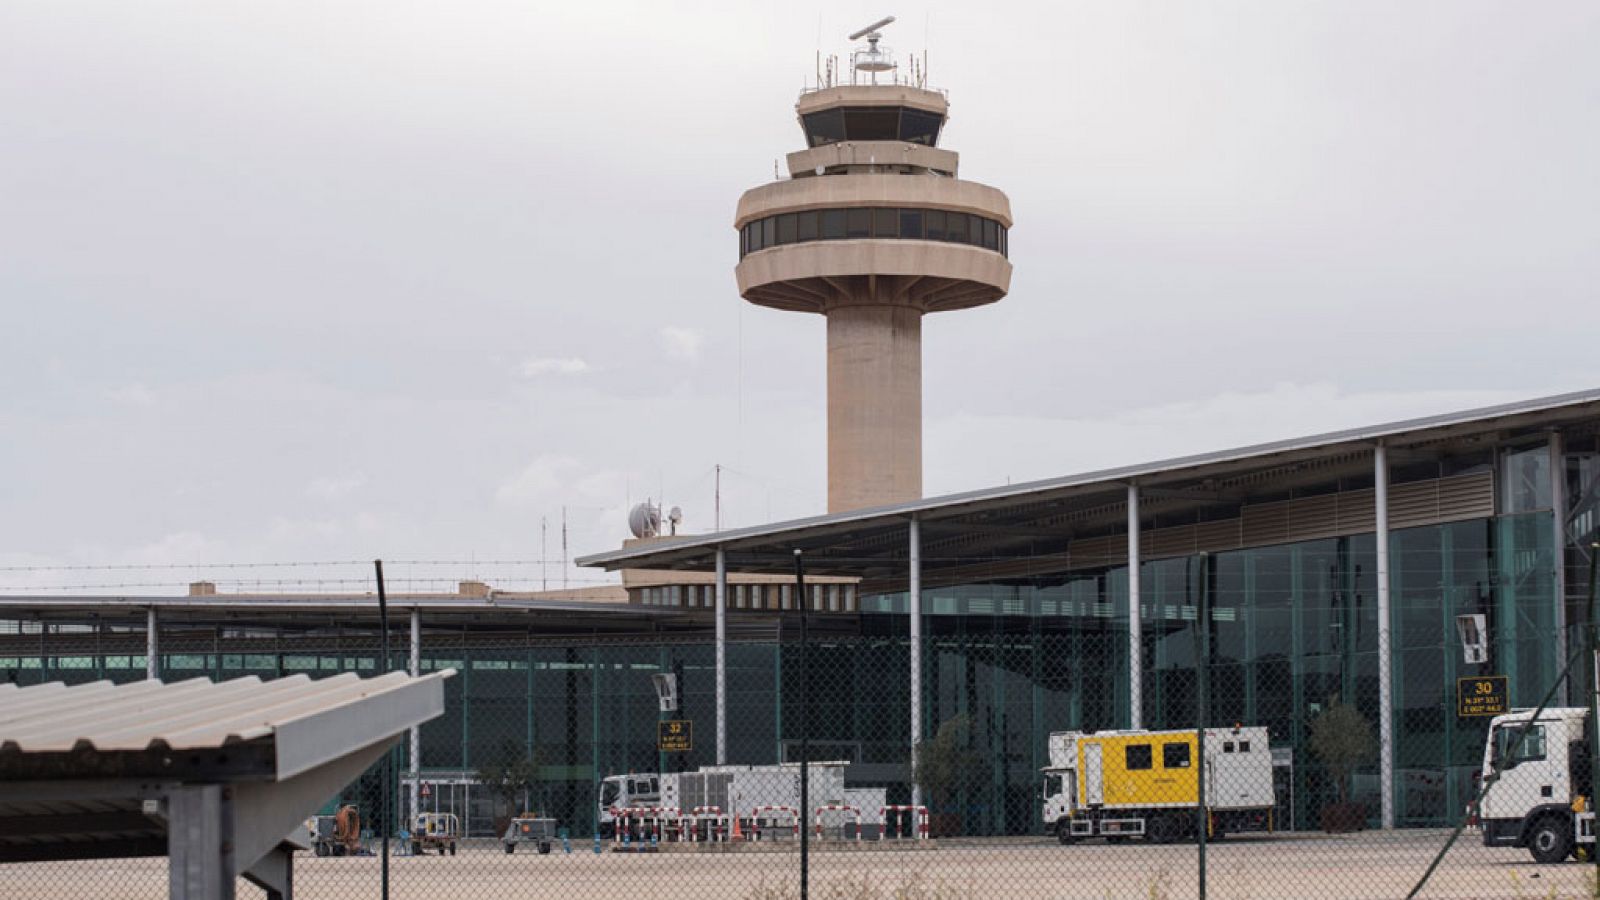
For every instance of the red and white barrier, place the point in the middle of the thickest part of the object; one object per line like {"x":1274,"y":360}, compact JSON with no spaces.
{"x":921,"y":828}
{"x":719,"y":830}
{"x":665,"y":818}
{"x":760,"y":812}
{"x":839,"y":807}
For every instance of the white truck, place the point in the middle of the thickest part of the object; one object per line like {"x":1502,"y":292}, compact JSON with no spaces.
{"x":764,"y":797}
{"x":1120,"y":784}
{"x":1544,"y":799}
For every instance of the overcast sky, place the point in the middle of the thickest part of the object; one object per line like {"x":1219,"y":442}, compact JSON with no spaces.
{"x":300,"y":281}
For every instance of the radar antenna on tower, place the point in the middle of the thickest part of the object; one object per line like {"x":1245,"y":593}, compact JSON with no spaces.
{"x":873,"y":59}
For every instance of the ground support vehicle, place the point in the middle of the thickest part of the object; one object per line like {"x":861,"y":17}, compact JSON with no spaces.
{"x":1543,"y":799}
{"x":530,"y":829}
{"x":336,"y":835}
{"x":438,"y":830}
{"x":1120,"y":784}
{"x":737,"y":791}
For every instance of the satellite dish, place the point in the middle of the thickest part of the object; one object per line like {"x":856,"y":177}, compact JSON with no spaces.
{"x":644,"y":520}
{"x":675,"y":515}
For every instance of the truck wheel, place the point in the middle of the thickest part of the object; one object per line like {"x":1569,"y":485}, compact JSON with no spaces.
{"x":416,"y":849}
{"x":511,"y":848}
{"x":452,"y":848}
{"x":1064,"y":832}
{"x":1550,"y":840}
{"x":322,"y":849}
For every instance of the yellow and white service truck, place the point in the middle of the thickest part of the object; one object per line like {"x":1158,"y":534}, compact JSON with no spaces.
{"x":1543,"y":800}
{"x":1119,"y":784}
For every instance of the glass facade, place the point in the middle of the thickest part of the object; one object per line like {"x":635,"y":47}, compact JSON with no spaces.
{"x":1293,"y":627}
{"x":873,"y":222}
{"x":872,"y":123}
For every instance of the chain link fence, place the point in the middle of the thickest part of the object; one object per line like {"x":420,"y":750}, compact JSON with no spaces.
{"x":1256,"y":774}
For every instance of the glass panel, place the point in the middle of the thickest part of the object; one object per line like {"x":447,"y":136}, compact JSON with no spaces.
{"x":788,"y":228}
{"x":911,"y":223}
{"x":974,"y":229}
{"x":1175,"y":756}
{"x":1525,"y":481}
{"x":919,"y":127}
{"x":832,"y":223}
{"x":935,"y":222}
{"x":885,"y":223}
{"x":991,"y":234}
{"x":858,"y":223}
{"x":957,"y":228}
{"x":769,"y":232}
{"x":872,"y":123}
{"x":826,"y":127}
{"x":808,"y":225}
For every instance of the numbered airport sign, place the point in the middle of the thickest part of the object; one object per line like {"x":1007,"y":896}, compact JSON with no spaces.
{"x":1482,"y":695}
{"x":675,"y":736}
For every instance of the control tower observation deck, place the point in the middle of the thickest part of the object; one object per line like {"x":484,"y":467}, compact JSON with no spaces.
{"x":873,"y":229}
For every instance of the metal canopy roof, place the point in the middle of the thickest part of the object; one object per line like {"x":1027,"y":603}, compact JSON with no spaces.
{"x":861,"y":542}
{"x":279,"y":728}
{"x":103,"y":770}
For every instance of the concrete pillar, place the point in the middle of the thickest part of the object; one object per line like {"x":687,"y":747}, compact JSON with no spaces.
{"x":874,"y":406}
{"x":1135,"y":647}
{"x":152,"y":645}
{"x":416,"y":731}
{"x":722,"y":657}
{"x":1380,"y":480}
{"x":914,"y":594}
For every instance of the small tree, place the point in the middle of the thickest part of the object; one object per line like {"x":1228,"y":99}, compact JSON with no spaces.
{"x":944,"y":763}
{"x":1342,"y":738}
{"x":512,"y":772}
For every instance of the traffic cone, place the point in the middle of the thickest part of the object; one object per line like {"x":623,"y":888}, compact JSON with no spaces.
{"x":737,"y":834}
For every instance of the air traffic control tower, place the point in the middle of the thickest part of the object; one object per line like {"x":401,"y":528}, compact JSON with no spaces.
{"x":873,"y":230}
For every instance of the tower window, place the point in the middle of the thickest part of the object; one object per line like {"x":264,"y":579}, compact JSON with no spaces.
{"x":858,"y":223}
{"x":832,"y":224}
{"x":904,"y":223}
{"x":885,"y":223}
{"x":788,"y":228}
{"x":911,"y":223}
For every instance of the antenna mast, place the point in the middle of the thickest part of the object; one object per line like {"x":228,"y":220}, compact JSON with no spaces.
{"x":544,"y":553}
{"x":873,"y":59}
{"x":563,"y":548}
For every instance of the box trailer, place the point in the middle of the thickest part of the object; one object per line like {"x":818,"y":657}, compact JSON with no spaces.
{"x":1119,"y":784}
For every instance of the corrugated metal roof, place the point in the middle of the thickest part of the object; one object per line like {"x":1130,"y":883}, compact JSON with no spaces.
{"x":195,"y":714}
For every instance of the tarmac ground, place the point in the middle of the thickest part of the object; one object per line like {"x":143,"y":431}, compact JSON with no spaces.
{"x":1337,"y":867}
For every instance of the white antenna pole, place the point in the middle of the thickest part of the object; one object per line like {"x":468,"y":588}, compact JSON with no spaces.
{"x":718,"y":507}
{"x":563,"y":548}
{"x":544,"y":553}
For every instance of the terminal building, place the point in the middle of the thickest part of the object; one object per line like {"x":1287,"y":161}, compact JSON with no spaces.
{"x":1337,"y":564}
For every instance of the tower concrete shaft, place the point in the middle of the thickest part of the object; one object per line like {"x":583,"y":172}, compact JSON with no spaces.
{"x":873,"y":230}
{"x":874,"y":405}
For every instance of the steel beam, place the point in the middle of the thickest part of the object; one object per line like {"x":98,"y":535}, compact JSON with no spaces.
{"x":200,"y":843}
{"x":914,"y":596}
{"x":152,"y":645}
{"x":1380,"y":481}
{"x":416,"y":730}
{"x":1135,"y":639}
{"x":722,"y":657}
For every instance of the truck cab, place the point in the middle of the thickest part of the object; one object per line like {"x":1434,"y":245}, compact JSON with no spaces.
{"x":1543,"y":798}
{"x":623,"y":792}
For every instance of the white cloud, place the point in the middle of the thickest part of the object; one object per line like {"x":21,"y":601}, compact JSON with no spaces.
{"x":682,"y":343}
{"x":535,"y":366}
